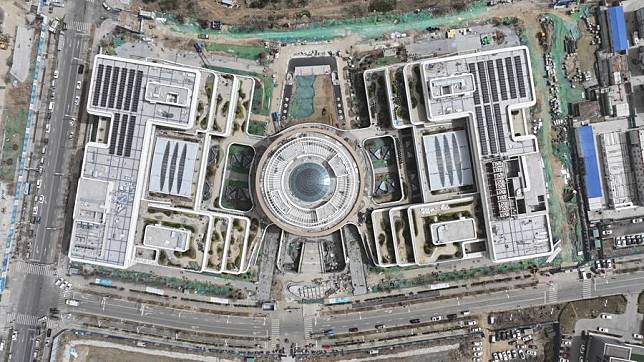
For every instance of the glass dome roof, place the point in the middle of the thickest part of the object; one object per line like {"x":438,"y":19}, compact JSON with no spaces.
{"x":309,"y":182}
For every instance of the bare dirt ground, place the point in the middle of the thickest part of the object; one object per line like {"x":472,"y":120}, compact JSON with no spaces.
{"x":323,"y":103}
{"x":288,"y":13}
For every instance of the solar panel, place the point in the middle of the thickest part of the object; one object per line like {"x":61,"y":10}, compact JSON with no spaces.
{"x":128,"y":93}
{"x":501,"y":71}
{"x":477,"y":98}
{"x":97,"y":85}
{"x":115,"y":129}
{"x":122,"y":131}
{"x":490,"y":129}
{"x":519,"y":67}
{"x":137,"y":90}
{"x":483,"y":82}
{"x":182,"y":167}
{"x":130,"y":136}
{"x":106,"y":82}
{"x":119,"y":98}
{"x":510,"y":71}
{"x":499,"y":128}
{"x":173,"y":165}
{"x":481,"y":128}
{"x":492,"y":76}
{"x":113,"y":84}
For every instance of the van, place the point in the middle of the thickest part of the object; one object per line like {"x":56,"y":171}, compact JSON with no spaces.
{"x":51,"y":106}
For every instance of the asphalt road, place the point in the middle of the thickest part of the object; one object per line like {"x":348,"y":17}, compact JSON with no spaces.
{"x":170,"y":317}
{"x":567,"y":288}
{"x":33,"y":294}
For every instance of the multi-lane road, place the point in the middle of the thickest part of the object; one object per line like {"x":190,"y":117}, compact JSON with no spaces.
{"x":31,"y":295}
{"x":566,"y":288}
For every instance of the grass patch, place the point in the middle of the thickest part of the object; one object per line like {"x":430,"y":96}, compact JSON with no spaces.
{"x":263,"y":89}
{"x":251,"y":52}
{"x":257,"y":128}
{"x":14,"y":131}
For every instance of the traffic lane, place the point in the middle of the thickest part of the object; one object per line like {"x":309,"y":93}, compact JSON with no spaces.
{"x":23,"y":344}
{"x":402,"y":315}
{"x":166,"y":315}
{"x":50,"y":181}
{"x":633,"y":283}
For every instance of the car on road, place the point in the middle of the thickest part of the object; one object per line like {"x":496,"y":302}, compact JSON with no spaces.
{"x":605,"y":316}
{"x":638,"y":336}
{"x":76,"y":100}
{"x":637,"y":221}
{"x":437,"y":318}
{"x":607,"y":232}
{"x":414,"y":321}
{"x":472,"y":323}
{"x":47,"y":128}
{"x":38,"y":183}
{"x":72,"y":302}
{"x":14,"y":336}
{"x":78,"y":84}
{"x":474,"y":330}
{"x":41,"y":199}
{"x":55,"y":74}
{"x":353,"y":329}
{"x":602,"y":329}
{"x":380,"y":326}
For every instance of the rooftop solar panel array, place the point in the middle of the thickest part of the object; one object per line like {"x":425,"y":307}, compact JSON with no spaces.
{"x":477,"y":98}
{"x":492,"y":76}
{"x":128,"y":92}
{"x":137,"y":90}
{"x":106,"y":85}
{"x":519,"y":67}
{"x":98,"y":82}
{"x":511,"y":79}
{"x":499,"y":128}
{"x":483,"y":82}
{"x":502,"y":86}
{"x":490,"y":129}
{"x":119,"y":150}
{"x":115,"y":129}
{"x":113,"y":84}
{"x":481,"y":127}
{"x":122,"y":80}
{"x":130,"y":136}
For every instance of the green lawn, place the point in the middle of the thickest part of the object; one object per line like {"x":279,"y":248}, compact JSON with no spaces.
{"x":251,"y":52}
{"x":263,"y":92}
{"x":13,"y":136}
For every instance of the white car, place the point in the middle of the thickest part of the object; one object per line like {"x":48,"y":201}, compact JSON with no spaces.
{"x":637,"y":221}
{"x":78,"y":85}
{"x":477,"y":354}
{"x":607,"y":232}
{"x":55,"y":74}
{"x":476,"y":343}
{"x":76,"y":100}
{"x":436,"y":318}
{"x":41,"y":199}
{"x":476,"y":349}
{"x":471,"y":323}
{"x":638,"y":336}
{"x":14,"y":336}
{"x":602,"y":329}
{"x":605,"y":316}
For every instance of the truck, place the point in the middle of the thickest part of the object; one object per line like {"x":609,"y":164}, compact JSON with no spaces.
{"x":103,"y":282}
{"x":72,"y":302}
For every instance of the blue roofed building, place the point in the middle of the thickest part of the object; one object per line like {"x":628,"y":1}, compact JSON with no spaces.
{"x":617,"y":29}
{"x":592,"y":179}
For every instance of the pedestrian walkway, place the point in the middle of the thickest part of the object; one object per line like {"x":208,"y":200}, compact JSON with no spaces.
{"x":80,"y":26}
{"x":586,"y":289}
{"x":553,"y":294}
{"x":275,"y":330}
{"x":24,"y":319}
{"x":34,"y":269}
{"x":308,"y":327}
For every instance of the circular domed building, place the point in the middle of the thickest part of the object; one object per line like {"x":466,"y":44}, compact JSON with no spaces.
{"x":308,"y":181}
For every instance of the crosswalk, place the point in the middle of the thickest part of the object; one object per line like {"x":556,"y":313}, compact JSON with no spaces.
{"x":24,"y":319}
{"x":79,"y":26}
{"x":308,"y":327}
{"x":586,"y":288}
{"x":553,"y":294}
{"x":35,"y":269}
{"x":275,"y":329}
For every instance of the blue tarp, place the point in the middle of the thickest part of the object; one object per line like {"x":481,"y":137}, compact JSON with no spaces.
{"x":617,"y":28}
{"x":591,"y":167}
